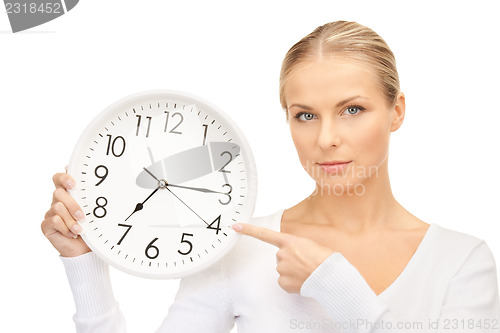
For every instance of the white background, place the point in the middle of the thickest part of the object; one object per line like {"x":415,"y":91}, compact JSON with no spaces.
{"x":56,"y":77}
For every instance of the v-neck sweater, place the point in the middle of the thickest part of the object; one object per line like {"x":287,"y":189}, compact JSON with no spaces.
{"x":449,"y":285}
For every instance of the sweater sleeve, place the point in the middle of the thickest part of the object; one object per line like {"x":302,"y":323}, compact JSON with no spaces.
{"x":96,"y":308}
{"x":201,"y":304}
{"x":344,"y":294}
{"x":472,"y":303}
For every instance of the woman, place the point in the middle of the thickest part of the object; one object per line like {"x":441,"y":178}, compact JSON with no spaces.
{"x":349,"y":258}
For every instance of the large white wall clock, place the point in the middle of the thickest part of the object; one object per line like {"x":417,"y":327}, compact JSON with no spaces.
{"x":161,"y":176}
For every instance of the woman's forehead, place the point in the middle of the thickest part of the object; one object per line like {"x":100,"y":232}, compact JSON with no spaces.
{"x":332,"y":79}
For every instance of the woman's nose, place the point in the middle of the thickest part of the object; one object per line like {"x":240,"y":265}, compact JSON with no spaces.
{"x":329,"y":134}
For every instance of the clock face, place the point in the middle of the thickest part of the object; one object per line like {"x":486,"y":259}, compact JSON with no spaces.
{"x":161,"y":176}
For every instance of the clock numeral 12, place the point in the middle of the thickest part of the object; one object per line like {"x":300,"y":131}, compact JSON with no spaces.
{"x":173,"y":129}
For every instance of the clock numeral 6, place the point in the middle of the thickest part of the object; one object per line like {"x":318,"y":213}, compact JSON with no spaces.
{"x":118,"y":141}
{"x":187,"y":242}
{"x":151,"y":246}
{"x":100,"y":207}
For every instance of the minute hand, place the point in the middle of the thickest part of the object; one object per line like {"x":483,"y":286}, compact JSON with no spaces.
{"x":206,"y":190}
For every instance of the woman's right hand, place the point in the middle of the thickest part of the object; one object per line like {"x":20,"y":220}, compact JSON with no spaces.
{"x":60,"y":226}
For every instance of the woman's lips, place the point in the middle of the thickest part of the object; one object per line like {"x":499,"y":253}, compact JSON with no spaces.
{"x":334,"y":166}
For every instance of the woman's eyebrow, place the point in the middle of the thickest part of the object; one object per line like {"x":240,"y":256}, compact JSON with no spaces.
{"x":345,"y":101}
{"x":300,"y":106}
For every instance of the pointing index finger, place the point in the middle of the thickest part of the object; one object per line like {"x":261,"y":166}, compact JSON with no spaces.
{"x":266,"y":235}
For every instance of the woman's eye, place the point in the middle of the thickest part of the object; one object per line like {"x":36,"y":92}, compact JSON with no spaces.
{"x":304,"y":116}
{"x":353,"y":110}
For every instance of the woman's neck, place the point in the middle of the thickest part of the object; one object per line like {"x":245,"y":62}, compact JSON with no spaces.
{"x":371,"y":207}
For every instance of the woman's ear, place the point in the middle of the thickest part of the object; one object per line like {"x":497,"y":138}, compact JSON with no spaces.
{"x":398,"y":114}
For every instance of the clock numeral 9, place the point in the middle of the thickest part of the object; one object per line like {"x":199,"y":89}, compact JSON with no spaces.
{"x":103,"y":176}
{"x":112,"y":146}
{"x":100,"y":207}
{"x":187,"y":242}
{"x":151,"y":246}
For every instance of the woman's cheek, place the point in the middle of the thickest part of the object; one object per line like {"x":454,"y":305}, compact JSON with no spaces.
{"x":304,"y":144}
{"x":373,"y":143}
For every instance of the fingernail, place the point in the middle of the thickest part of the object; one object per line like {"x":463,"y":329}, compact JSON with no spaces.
{"x":237,"y":227}
{"x":79,"y":215}
{"x":72,"y":235}
{"x":69,"y":184}
{"x":77,"y":229}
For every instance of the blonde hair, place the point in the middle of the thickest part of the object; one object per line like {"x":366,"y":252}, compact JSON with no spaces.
{"x":350,"y":40}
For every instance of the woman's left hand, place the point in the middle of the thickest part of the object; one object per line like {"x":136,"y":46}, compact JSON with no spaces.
{"x":296,"y":258}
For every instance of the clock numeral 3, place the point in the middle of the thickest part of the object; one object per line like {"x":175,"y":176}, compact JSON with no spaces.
{"x":188,"y":242}
{"x":228,"y":196}
{"x":112,"y":146}
{"x":155,"y":249}
{"x":100,"y":208}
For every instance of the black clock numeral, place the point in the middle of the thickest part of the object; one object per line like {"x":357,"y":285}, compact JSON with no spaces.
{"x":217,"y":228}
{"x":100,"y":207}
{"x":116,"y":151}
{"x":229,"y":197}
{"x":180,"y":121}
{"x":139,"y":125}
{"x":188,"y":242}
{"x":205,"y":133}
{"x":230,"y":159}
{"x":126,"y":232}
{"x":100,"y":167}
{"x":151,"y":246}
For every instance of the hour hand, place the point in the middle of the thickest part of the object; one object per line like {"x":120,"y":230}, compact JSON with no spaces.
{"x":140,"y":205}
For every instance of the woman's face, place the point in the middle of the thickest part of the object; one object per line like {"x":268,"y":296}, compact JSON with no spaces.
{"x":337,"y":113}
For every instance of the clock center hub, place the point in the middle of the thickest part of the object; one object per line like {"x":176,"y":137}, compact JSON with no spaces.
{"x":162,"y":183}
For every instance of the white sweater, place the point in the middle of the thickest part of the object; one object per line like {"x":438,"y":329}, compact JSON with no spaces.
{"x":451,"y":278}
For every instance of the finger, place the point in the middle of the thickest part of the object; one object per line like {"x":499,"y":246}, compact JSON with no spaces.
{"x":60,"y":210}
{"x":63,"y":180}
{"x":55,"y":224}
{"x":266,"y":235}
{"x":71,"y":207}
